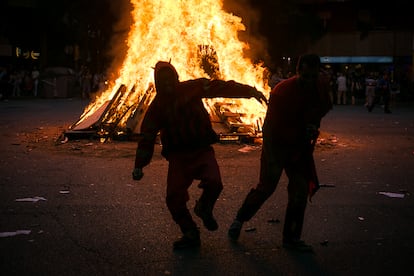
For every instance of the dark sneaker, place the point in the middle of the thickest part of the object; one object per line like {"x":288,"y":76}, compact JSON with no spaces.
{"x":190,"y":239}
{"x":206,"y":215}
{"x":234,"y":230}
{"x":299,"y":246}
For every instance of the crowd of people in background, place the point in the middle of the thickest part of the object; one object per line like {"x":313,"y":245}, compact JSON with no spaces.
{"x":374,"y":88}
{"x":17,"y":83}
{"x":30,"y":81}
{"x":370,"y":88}
{"x":346,"y":86}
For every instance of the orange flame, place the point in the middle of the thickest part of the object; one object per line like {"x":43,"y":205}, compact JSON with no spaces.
{"x":189,"y":33}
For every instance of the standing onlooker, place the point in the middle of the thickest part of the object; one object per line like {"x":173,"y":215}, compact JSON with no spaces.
{"x":357,"y":85}
{"x":395,"y":90}
{"x":342,"y":88}
{"x":370,"y":86}
{"x":35,"y":80}
{"x":4,"y":83}
{"x":86,"y":83}
{"x":290,"y":129}
{"x":27,"y":83}
{"x":275,"y":78}
{"x":332,"y":85}
{"x":384,"y":90}
{"x":17,"y":83}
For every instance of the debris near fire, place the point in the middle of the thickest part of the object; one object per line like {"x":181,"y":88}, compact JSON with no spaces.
{"x":229,"y":125}
{"x":117,"y":120}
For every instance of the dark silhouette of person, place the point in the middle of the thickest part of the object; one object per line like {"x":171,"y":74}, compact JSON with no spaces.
{"x":178,"y":114}
{"x":290,"y":129}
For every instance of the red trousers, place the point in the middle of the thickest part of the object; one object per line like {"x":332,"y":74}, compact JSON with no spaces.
{"x":183,"y":169}
{"x":297,"y":167}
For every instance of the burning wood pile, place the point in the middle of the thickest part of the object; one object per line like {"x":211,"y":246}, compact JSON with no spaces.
{"x":105,"y":123}
{"x":201,"y":40}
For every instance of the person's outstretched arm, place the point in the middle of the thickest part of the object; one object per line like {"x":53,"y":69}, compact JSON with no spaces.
{"x":206,"y":88}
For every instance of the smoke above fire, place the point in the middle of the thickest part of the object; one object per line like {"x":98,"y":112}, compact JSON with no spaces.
{"x":200,"y":38}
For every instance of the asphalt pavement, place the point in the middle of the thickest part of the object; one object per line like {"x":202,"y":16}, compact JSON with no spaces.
{"x":73,"y":209}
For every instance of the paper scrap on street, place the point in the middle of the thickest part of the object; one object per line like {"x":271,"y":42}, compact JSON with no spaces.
{"x":30,"y":199}
{"x":15,"y":233}
{"x":396,"y":195}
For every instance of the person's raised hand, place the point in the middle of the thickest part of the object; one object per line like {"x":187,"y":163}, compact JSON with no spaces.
{"x":259,"y":96}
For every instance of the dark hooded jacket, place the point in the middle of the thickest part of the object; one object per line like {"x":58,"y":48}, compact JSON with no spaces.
{"x":180,"y":117}
{"x":290,"y":110}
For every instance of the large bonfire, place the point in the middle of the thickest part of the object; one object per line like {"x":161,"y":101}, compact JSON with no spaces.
{"x":200,"y":39}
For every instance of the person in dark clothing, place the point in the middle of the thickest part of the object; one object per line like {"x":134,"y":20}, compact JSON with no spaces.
{"x":384,"y":91}
{"x":291,"y":127}
{"x":178,"y":114}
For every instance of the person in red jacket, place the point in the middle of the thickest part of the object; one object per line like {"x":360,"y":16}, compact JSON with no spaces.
{"x":178,"y":114}
{"x":290,"y":129}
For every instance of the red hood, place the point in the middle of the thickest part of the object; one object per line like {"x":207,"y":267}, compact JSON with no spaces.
{"x":161,"y":65}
